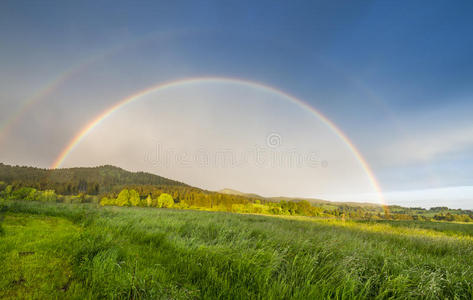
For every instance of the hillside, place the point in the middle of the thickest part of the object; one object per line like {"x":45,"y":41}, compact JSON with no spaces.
{"x":314,"y":201}
{"x":93,"y":180}
{"x":228,"y":191}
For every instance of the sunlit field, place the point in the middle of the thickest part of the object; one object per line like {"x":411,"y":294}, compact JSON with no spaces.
{"x":50,"y":250}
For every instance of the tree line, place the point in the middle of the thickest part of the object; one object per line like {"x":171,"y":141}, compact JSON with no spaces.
{"x":108,"y":185}
{"x":73,"y":181}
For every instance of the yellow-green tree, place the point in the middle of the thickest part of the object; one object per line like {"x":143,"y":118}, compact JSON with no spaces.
{"x":134,"y":197}
{"x":165,"y":200}
{"x":128,"y":198}
{"x":8,"y":190}
{"x":123,"y":198}
{"x":32,"y":195}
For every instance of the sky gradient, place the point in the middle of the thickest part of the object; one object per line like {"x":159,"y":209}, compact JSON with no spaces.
{"x":395,"y":77}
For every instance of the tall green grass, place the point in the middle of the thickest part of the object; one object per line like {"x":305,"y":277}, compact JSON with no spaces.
{"x":448,"y":228}
{"x":144,"y":253}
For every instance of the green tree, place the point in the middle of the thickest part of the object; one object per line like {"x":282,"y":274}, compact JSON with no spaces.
{"x":128,"y":198}
{"x":134,"y":198}
{"x":22,"y":193}
{"x":3,"y":185}
{"x":7,"y":191}
{"x":32,"y":195}
{"x":165,"y":200}
{"x":303,"y":208}
{"x":123,"y":198}
{"x":149,"y":201}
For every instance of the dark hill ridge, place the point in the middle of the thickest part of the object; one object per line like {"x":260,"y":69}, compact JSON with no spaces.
{"x":91,"y":180}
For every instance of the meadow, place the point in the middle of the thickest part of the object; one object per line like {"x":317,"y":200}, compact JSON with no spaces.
{"x":82,"y":251}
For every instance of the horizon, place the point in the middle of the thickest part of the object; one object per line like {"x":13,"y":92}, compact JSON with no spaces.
{"x":349,"y":102}
{"x":365,"y":199}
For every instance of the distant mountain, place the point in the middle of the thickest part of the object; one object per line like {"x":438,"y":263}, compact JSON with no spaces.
{"x":318,"y":202}
{"x":326,"y":202}
{"x":75,"y":180}
{"x":228,"y":191}
{"x":311,"y":200}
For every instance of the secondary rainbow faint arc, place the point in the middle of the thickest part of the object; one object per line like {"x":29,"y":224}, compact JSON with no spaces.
{"x":25,"y":106}
{"x":15,"y":117}
{"x":162,"y":86}
{"x":63,"y":77}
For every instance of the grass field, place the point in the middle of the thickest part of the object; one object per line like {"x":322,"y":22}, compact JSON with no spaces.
{"x":84,"y":251}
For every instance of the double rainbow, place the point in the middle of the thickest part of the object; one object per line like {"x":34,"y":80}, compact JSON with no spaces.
{"x":166,"y":85}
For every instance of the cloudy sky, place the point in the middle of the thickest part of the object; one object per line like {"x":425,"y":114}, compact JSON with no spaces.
{"x":395,"y":77}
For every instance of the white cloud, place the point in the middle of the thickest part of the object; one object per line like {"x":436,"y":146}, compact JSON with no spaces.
{"x":426,"y":146}
{"x":453,"y":197}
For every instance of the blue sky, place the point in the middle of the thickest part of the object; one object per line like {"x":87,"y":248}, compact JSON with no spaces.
{"x":395,"y":76}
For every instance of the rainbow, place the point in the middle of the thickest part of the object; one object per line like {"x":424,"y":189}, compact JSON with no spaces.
{"x":26,"y":105}
{"x":166,"y":85}
{"x":49,"y":89}
{"x":67,"y":74}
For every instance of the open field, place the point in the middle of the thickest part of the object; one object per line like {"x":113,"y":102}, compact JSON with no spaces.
{"x":82,"y":251}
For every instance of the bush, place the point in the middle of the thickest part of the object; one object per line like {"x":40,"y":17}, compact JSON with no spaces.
{"x":46,"y":196}
{"x":106,"y":201}
{"x":24,"y":193}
